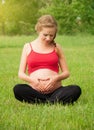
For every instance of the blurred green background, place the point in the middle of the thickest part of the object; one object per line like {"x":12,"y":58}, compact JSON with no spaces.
{"x":18,"y":17}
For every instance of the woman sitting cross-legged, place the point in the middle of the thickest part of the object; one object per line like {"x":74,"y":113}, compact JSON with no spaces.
{"x":47,"y":68}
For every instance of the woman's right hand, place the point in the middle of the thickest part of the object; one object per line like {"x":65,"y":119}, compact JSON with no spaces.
{"x":37,"y":85}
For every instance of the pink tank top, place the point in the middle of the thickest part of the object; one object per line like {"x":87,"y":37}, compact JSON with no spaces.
{"x":37,"y":61}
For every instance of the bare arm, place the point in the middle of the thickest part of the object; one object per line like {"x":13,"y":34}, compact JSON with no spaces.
{"x":63,"y":65}
{"x":22,"y":68}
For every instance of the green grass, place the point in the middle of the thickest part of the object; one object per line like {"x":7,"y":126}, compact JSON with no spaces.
{"x":79,"y":51}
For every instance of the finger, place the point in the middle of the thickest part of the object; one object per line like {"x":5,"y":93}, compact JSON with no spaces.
{"x":43,"y":79}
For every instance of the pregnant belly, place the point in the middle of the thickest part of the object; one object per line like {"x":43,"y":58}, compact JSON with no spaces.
{"x":44,"y":74}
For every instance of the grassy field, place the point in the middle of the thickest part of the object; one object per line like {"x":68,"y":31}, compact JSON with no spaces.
{"x":79,"y":51}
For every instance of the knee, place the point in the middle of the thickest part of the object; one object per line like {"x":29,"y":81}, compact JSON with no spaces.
{"x":16,"y":89}
{"x":18,"y":92}
{"x":77,"y":90}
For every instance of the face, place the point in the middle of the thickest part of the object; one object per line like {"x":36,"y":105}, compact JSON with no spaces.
{"x":47,"y":34}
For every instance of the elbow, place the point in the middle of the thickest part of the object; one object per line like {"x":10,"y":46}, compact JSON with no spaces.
{"x":20,"y":75}
{"x":67,"y":74}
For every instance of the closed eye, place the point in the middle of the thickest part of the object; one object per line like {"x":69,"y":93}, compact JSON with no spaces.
{"x":48,"y":35}
{"x":45,"y":35}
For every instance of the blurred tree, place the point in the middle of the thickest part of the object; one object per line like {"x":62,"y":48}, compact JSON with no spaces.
{"x":2,"y":16}
{"x":19,"y":17}
{"x":67,"y":13}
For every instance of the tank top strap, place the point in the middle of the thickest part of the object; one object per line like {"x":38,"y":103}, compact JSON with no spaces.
{"x":30,"y":45}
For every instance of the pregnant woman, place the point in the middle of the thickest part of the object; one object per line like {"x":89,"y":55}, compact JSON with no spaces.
{"x":46,"y":65}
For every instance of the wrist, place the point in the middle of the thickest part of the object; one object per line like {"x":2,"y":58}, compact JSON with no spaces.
{"x":63,"y":76}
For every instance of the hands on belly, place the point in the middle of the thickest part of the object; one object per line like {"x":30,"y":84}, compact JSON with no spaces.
{"x":45,"y":85}
{"x":49,"y":84}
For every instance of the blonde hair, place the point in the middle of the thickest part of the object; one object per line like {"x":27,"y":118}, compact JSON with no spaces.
{"x":46,"y":21}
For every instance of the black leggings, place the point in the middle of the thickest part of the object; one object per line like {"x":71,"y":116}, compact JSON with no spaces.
{"x":64,"y":95}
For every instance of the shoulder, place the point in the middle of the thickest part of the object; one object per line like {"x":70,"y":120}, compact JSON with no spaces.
{"x":26,"y":45}
{"x":58,"y":46}
{"x":26,"y":48}
{"x":59,"y":49}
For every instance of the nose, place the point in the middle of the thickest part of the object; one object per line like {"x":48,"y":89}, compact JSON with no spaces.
{"x":48,"y":38}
